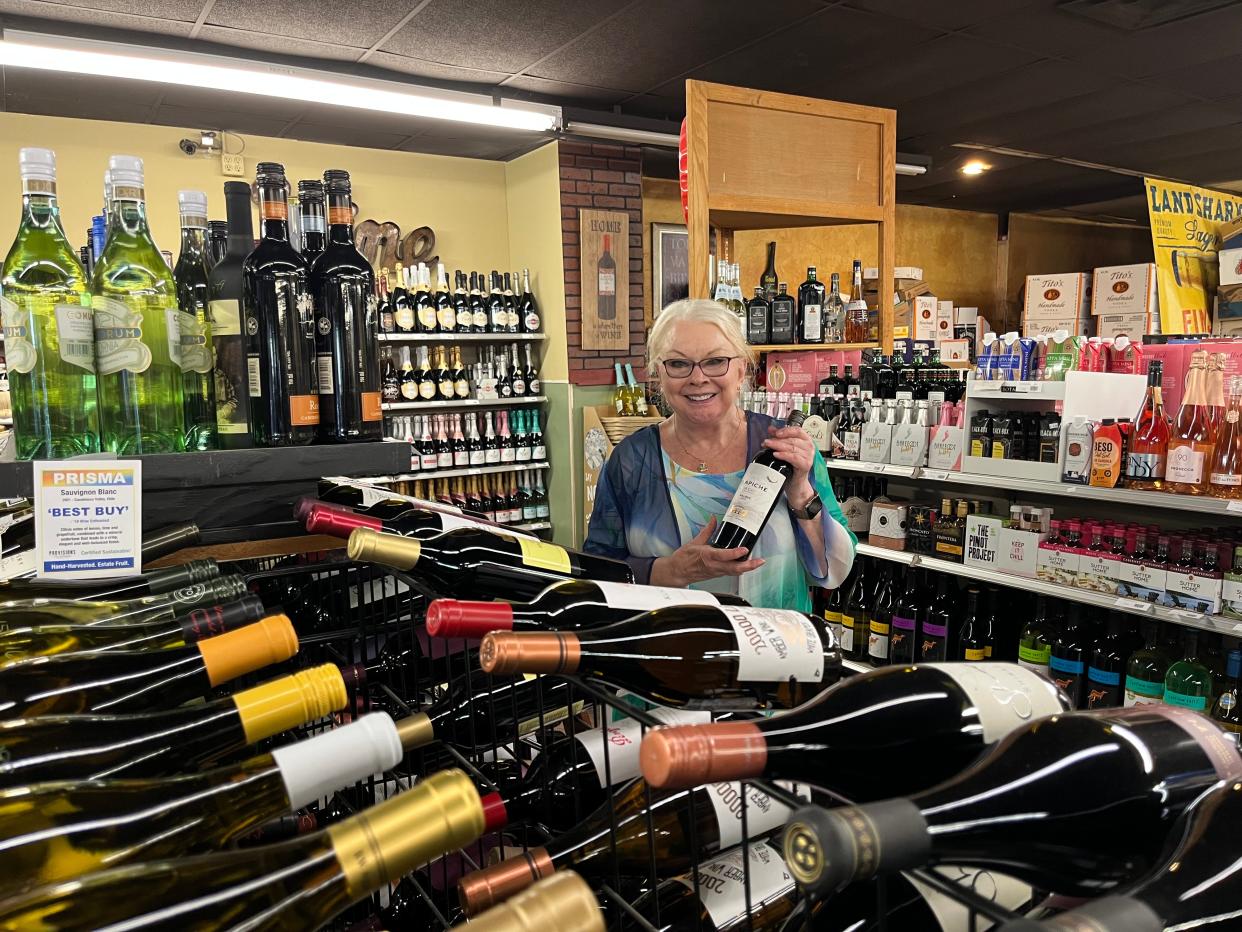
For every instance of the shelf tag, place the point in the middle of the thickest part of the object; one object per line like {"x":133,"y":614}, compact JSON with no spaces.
{"x":1134,"y":605}
{"x":90,"y":518}
{"x":1235,"y":506}
{"x":936,"y":475}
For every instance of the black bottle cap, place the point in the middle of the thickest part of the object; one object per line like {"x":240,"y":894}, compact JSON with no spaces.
{"x":269,"y":173}
{"x":336,"y":181}
{"x":218,"y":227}
{"x":311,"y":187}
{"x":236,"y":188}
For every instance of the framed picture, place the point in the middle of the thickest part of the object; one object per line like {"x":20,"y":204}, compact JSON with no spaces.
{"x":670,"y":265}
{"x":604,"y":245}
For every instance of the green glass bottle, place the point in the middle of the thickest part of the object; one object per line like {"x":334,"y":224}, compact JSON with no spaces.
{"x":1188,"y":682}
{"x":137,"y":338}
{"x":198,"y":385}
{"x":1146,"y":668}
{"x":1035,"y":641}
{"x":49,"y":337}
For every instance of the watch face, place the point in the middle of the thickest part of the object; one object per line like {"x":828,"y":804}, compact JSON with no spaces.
{"x":814,"y":507}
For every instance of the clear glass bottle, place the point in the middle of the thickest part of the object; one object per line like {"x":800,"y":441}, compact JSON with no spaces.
{"x":49,"y":335}
{"x":1226,"y":472}
{"x":137,"y":332}
{"x":1190,"y":442}
{"x":857,"y":324}
{"x":198,"y":384}
{"x":834,"y":312}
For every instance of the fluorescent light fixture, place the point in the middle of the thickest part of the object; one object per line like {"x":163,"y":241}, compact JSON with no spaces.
{"x":974,"y":167}
{"x":636,"y":137}
{"x":217,"y":72}
{"x":904,"y":168}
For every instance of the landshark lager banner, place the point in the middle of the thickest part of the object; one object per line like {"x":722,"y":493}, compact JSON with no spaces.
{"x":1185,"y":233}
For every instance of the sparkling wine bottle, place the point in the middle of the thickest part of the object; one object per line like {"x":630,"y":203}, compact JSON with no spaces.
{"x":685,"y":656}
{"x":756,"y":497}
{"x":1075,"y":804}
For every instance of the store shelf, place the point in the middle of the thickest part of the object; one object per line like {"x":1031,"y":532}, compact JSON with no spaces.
{"x":532,"y":526}
{"x":1198,"y":504}
{"x":1053,"y":391}
{"x":795,"y":347}
{"x":461,"y":337}
{"x":462,"y":403}
{"x":1177,"y":616}
{"x":454,"y":473}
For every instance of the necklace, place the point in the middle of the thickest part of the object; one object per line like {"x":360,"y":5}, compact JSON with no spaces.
{"x":702,"y":467}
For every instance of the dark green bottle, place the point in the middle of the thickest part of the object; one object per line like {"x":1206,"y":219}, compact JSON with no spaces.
{"x":198,"y":384}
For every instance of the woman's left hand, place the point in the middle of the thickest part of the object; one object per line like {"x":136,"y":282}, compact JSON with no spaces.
{"x":794,"y":445}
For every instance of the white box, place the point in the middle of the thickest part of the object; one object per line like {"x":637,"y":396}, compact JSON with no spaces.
{"x":1074,"y":326}
{"x":888,"y":525}
{"x":1134,"y":326}
{"x":924,"y":313}
{"x":1230,"y":266}
{"x":877,"y":440}
{"x":991,"y":545}
{"x":946,"y":448}
{"x":911,"y":272}
{"x":909,"y":445}
{"x":1056,"y":297}
{"x":1057,"y":565}
{"x":955,"y":350}
{"x":1124,"y":289}
{"x":944,"y":321}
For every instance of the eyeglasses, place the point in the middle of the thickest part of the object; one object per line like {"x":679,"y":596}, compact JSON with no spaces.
{"x":712,"y":366}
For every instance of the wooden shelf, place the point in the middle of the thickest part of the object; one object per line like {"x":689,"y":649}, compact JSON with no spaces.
{"x":739,"y":212}
{"x":796,"y":347}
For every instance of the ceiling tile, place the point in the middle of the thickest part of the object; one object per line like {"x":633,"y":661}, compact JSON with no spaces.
{"x":435,"y":71}
{"x":277,"y":44}
{"x":119,"y":109}
{"x":356,"y":24}
{"x":562,"y":89}
{"x":184,"y":10}
{"x":495,"y":35}
{"x":955,"y":15}
{"x":108,"y":19}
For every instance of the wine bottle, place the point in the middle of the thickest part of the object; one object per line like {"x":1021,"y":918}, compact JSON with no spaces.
{"x":1195,"y":887}
{"x":685,"y":656}
{"x":49,"y":334}
{"x":561,"y":903}
{"x":217,"y":242}
{"x":54,"y":831}
{"x":906,"y":628}
{"x":569,"y":605}
{"x":529,"y":312}
{"x":466,"y":561}
{"x":769,"y":278}
{"x":412,"y":521}
{"x":280,"y":326}
{"x":872,"y":736}
{"x":137,"y":344}
{"x":224,"y":288}
{"x":1074,"y":804}
{"x":342,"y":286}
{"x":311,"y":219}
{"x":126,"y":681}
{"x":20,"y":641}
{"x":1068,"y":655}
{"x":198,"y":385}
{"x":296,"y":885}
{"x":756,"y":497}
{"x":163,"y":541}
{"x":153,"y":582}
{"x":151,"y":744}
{"x":144,"y":610}
{"x":623,"y":831}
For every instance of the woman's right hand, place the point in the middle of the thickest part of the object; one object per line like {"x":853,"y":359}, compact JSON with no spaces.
{"x":699,"y":560}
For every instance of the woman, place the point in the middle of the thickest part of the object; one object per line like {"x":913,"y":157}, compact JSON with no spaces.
{"x":665,"y":487}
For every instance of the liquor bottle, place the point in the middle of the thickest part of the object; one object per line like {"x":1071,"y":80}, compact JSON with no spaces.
{"x":1188,"y":681}
{"x":444,"y":451}
{"x":517,"y":375}
{"x":1035,"y":641}
{"x":528,"y":308}
{"x":390,"y":381}
{"x":49,"y":335}
{"x":784,"y":317}
{"x":280,"y":326}
{"x":606,"y":282}
{"x":217,"y":241}
{"x":541,"y":496}
{"x":1225,"y":710}
{"x":1226,"y":467}
{"x":834,"y":312}
{"x":137,"y":344}
{"x":301,"y":883}
{"x":683,"y":826}
{"x":424,"y":379}
{"x":423,"y":300}
{"x":1191,"y":438}
{"x":342,"y":286}
{"x":224,"y":286}
{"x":857,"y":326}
{"x":758,"y":319}
{"x":1149,"y":441}
{"x":1145,"y":670}
{"x":491,"y":444}
{"x":768,"y":280}
{"x":461,"y":384}
{"x":862,"y":738}
{"x":311,"y":219}
{"x":497,"y":313}
{"x":622,"y":402}
{"x":402,"y":307}
{"x":505,"y":438}
{"x":1068,"y":655}
{"x":684,"y":656}
{"x":125,"y":681}
{"x":457,"y":442}
{"x":475,"y":453}
{"x":757,"y":496}
{"x":194,"y":324}
{"x":811,"y":309}
{"x":510,"y":302}
{"x":115,"y":588}
{"x":879,"y":636}
{"x":1108,"y":785}
{"x":465,"y":561}
{"x":18,"y":641}
{"x":407,"y":381}
{"x":53,"y":831}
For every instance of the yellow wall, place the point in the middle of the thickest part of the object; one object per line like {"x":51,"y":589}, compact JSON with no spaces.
{"x":463,"y":200}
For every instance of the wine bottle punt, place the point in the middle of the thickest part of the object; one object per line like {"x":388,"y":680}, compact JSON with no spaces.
{"x":756,"y":497}
{"x":57,"y":830}
{"x":127,"y":681}
{"x":1075,"y":804}
{"x":686,"y":656}
{"x":142,"y":610}
{"x":152,"y":744}
{"x":299,"y":884}
{"x":872,"y":736}
{"x":153,"y":582}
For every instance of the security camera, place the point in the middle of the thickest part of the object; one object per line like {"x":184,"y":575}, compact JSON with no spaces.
{"x":188,"y":146}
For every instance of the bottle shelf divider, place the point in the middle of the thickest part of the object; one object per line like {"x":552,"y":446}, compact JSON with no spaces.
{"x":461,"y":337}
{"x":1217,"y":623}
{"x":453,"y":473}
{"x":462,"y":403}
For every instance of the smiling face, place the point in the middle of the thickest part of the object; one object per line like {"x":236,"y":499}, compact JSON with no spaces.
{"x":699,"y":398}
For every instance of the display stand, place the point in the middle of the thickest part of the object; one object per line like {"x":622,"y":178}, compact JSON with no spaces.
{"x":763,"y":161}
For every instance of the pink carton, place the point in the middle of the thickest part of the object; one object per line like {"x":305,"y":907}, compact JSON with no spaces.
{"x":793,"y":372}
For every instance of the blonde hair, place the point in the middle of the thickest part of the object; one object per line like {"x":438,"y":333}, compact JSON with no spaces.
{"x":696,"y":310}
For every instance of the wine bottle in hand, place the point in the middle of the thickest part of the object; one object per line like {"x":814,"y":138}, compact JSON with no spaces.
{"x":756,"y":497}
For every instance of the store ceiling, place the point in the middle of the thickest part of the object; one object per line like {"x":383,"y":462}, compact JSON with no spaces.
{"x":1143,"y":85}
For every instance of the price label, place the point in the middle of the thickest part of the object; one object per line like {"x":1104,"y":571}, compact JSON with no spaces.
{"x":936,"y":475}
{"x":1183,"y":613}
{"x":1234,"y":506}
{"x":1134,"y":605}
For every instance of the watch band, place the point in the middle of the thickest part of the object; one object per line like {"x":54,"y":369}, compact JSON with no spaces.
{"x":806,"y":512}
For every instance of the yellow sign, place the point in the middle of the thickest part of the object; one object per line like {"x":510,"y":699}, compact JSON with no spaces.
{"x":1185,"y":234}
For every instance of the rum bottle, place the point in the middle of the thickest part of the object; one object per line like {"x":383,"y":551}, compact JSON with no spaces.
{"x":857,"y":325}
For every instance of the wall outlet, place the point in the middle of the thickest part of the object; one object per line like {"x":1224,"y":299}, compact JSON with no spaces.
{"x":233,"y":165}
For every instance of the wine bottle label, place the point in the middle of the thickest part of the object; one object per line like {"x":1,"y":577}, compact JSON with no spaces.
{"x":1034,"y":658}
{"x":461,"y":458}
{"x":1005,"y":695}
{"x":532,"y":322}
{"x":1103,"y":688}
{"x":614,"y":750}
{"x":545,"y":556}
{"x":722,"y":883}
{"x":427,"y":317}
{"x":304,"y":410}
{"x":763,"y":813}
{"x":323,"y":367}
{"x":75,"y":326}
{"x":194,"y":353}
{"x":852,"y":442}
{"x":172,"y":333}
{"x":427,"y":389}
{"x":477,"y":457}
{"x":20,"y":353}
{"x":507,"y":454}
{"x":446,"y":388}
{"x":427,"y":461}
{"x":1184,"y":464}
{"x":409,"y":390}
{"x":447,"y":318}
{"x":755,"y":496}
{"x":1143,"y":692}
{"x":533,"y":385}
{"x":646,"y":598}
{"x":461,"y":388}
{"x":774,"y":645}
{"x":444,"y":459}
{"x":973,"y":653}
{"x":254,"y":377}
{"x":1185,"y":701}
{"x":878,"y":640}
{"x":1225,"y":478}
{"x":539,"y":453}
{"x":848,"y":630}
{"x":404,"y":318}
{"x":480,"y":320}
{"x":118,"y":338}
{"x":1145,"y":466}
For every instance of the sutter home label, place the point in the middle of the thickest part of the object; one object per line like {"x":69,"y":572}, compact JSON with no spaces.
{"x":1057,"y":564}
{"x":1198,"y":592}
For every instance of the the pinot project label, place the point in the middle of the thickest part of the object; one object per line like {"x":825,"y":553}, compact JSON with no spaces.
{"x":775,"y":645}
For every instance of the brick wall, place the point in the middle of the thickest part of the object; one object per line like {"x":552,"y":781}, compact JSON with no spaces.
{"x":607,"y":177}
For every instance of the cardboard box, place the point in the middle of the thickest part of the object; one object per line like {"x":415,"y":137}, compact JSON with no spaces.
{"x":1196,"y":592}
{"x":1125,"y":289}
{"x":909,"y":445}
{"x":955,"y":350}
{"x":1056,"y":564}
{"x":871,"y":273}
{"x":888,"y":525}
{"x":1074,"y":326}
{"x":877,"y":440}
{"x":991,"y":545}
{"x":920,"y":528}
{"x":1098,"y":571}
{"x":944,"y":321}
{"x":946,"y":448}
{"x":1133,"y":326}
{"x":1231,"y":595}
{"x":1230,"y":266}
{"x":1142,"y":581}
{"x":1057,"y":297}
{"x":925,"y":311}
{"x":793,"y":372}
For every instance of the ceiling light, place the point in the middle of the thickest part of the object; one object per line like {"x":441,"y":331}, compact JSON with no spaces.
{"x":974,"y":168}
{"x":218,"y":72}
